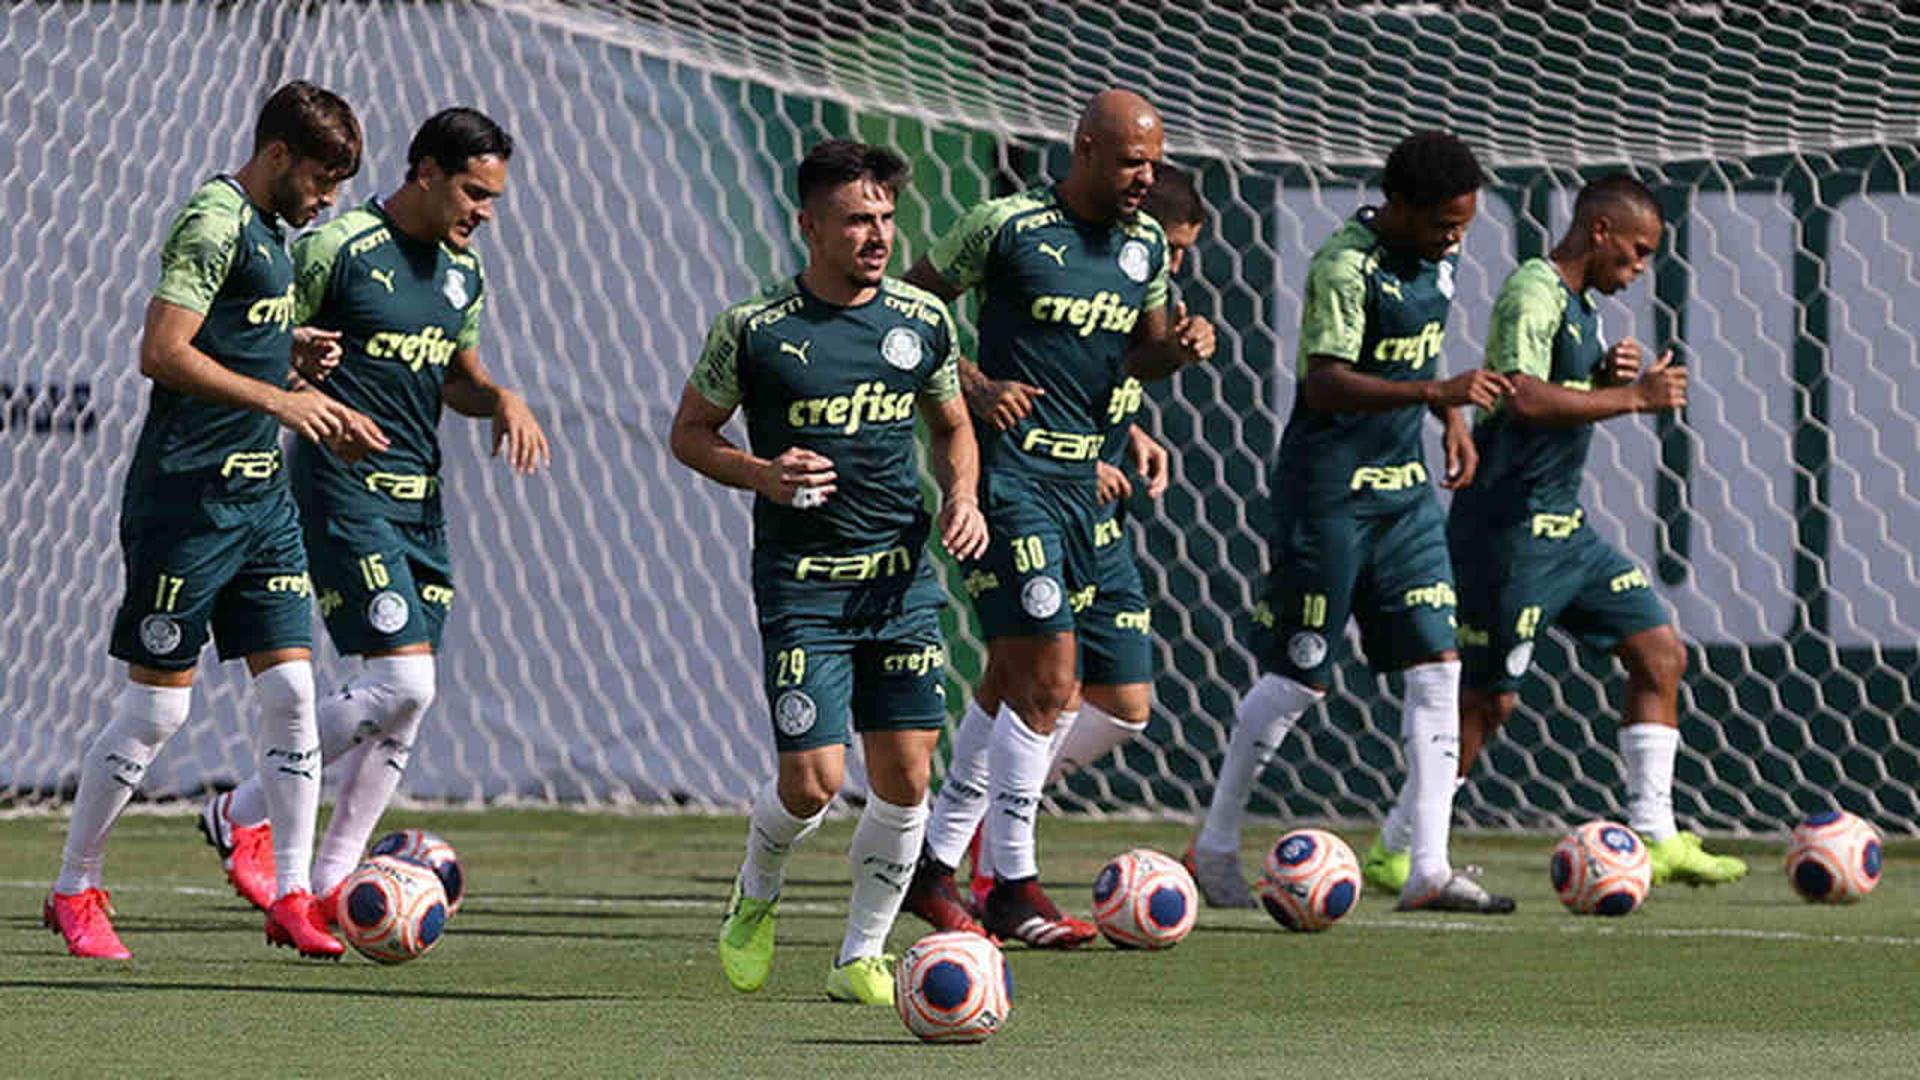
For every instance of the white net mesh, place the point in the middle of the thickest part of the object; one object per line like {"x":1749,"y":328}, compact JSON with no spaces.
{"x":603,"y":648}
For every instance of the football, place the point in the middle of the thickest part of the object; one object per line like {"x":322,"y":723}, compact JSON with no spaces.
{"x":1311,"y":880}
{"x":420,"y":846}
{"x":1144,"y":900}
{"x":1601,"y":868}
{"x":391,"y":910}
{"x":953,"y":987}
{"x":1834,"y":858}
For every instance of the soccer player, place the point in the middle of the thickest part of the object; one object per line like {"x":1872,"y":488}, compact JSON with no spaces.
{"x":1523,"y":554}
{"x":1358,"y":529}
{"x":830,"y":367}
{"x":398,"y":288}
{"x":1116,"y":645}
{"x":1073,"y":302}
{"x":208,"y":531}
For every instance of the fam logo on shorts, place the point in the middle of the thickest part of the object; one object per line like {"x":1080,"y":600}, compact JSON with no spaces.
{"x":901,"y":348}
{"x":1306,"y":649}
{"x":1518,"y":658}
{"x":1135,"y":261}
{"x":793,"y":714}
{"x":387,"y":611}
{"x":160,"y":635}
{"x":455,"y":288}
{"x":1040,"y":597}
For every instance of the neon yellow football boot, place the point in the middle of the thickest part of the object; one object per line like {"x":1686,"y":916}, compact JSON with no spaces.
{"x":864,"y":980}
{"x":1386,"y":870}
{"x":746,"y":940}
{"x":1679,"y":859}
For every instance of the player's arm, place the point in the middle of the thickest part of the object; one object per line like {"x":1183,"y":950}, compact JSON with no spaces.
{"x":797,"y":477}
{"x":956,"y":468}
{"x":168,"y":357}
{"x":470,"y":391}
{"x":1661,"y":388}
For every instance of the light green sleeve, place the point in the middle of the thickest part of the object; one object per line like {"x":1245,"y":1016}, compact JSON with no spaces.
{"x":1526,"y":315}
{"x":961,"y":254}
{"x":198,"y":253}
{"x":314,"y":256}
{"x":469,"y":336}
{"x":943,"y":382}
{"x":716,"y":375}
{"x":1333,"y":316}
{"x":1157,"y":288}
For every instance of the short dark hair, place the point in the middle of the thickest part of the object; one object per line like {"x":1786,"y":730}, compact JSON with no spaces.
{"x":1431,"y":167}
{"x":843,"y":161}
{"x":312,"y":123}
{"x":453,"y":136}
{"x":1173,"y":200}
{"x":1611,"y":191}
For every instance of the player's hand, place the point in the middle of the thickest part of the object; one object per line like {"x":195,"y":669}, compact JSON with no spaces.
{"x":1622,"y":363}
{"x":1001,"y":403}
{"x":316,"y":352}
{"x":313,"y":415}
{"x":1150,"y":461}
{"x":1664,"y":386}
{"x":1479,"y":387}
{"x":516,"y":429}
{"x":1193,"y":335}
{"x":1463,"y":458}
{"x":798,"y":478}
{"x":963,"y":529}
{"x":1110,"y":483}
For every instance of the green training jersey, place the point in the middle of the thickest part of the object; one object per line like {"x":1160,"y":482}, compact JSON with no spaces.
{"x":842,"y":382}
{"x":1059,"y":301}
{"x":403,"y":307}
{"x":1544,"y":329}
{"x":1385,"y":313}
{"x":226,"y":260}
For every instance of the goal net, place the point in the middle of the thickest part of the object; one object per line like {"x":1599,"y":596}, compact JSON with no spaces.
{"x":603,"y":647}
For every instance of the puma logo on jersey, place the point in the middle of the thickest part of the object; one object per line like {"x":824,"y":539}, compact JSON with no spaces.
{"x":799,"y":350}
{"x":1058,"y":253}
{"x":384,"y":277}
{"x":1391,"y":286}
{"x":1573,"y":331}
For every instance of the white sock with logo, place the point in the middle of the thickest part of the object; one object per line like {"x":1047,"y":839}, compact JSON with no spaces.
{"x":962,"y":800}
{"x":1430,"y":738}
{"x":144,"y":718}
{"x":402,"y":687}
{"x":1094,"y":734}
{"x":1396,"y":833}
{"x":1018,"y":763}
{"x":289,"y":768}
{"x":771,"y":836}
{"x":885,"y":845}
{"x":1260,"y":725}
{"x":345,"y":716}
{"x":1650,"y":750}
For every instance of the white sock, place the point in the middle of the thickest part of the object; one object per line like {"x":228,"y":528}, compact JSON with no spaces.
{"x":289,"y":768}
{"x":1260,"y":725}
{"x":1094,"y":735}
{"x":1396,"y":833}
{"x":401,"y":688}
{"x":1430,"y":738}
{"x":771,"y":837}
{"x":1062,"y":727}
{"x":345,"y":717}
{"x":1650,"y":750}
{"x":983,"y":855}
{"x":144,"y":718}
{"x":1018,"y":763}
{"x":962,"y":801}
{"x":885,"y":845}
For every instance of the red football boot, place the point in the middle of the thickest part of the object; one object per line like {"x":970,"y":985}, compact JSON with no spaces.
{"x":1022,"y":911}
{"x":82,"y":918}
{"x":246,"y":851}
{"x":296,"y":920}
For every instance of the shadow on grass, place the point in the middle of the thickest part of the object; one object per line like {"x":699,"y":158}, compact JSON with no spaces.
{"x":131,"y":986}
{"x":903,"y":1040}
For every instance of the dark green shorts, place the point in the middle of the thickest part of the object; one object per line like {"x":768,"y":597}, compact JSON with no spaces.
{"x":1040,"y":568}
{"x":235,"y":567}
{"x":381,"y":584}
{"x":1390,"y":572}
{"x":1116,"y":629}
{"x":1514,"y":584}
{"x":827,"y":677}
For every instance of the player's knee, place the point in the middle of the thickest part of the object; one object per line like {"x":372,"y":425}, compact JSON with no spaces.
{"x":1129,"y":703}
{"x":903,"y":783}
{"x":1660,"y":661}
{"x":1043,"y":698}
{"x":806,"y":787}
{"x":286,"y":689}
